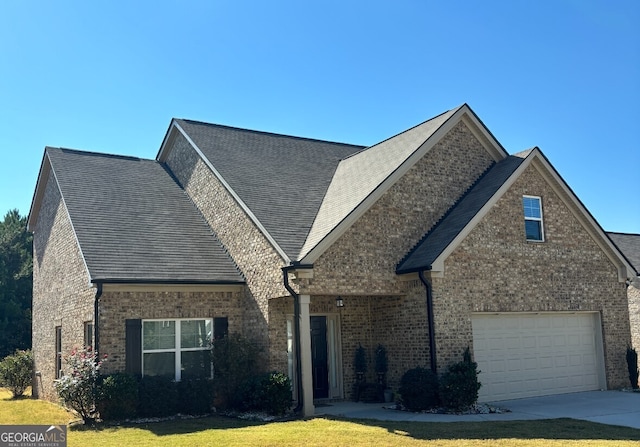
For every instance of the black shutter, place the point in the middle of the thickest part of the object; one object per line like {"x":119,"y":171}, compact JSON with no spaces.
{"x":133,"y":347}
{"x":220,"y":327}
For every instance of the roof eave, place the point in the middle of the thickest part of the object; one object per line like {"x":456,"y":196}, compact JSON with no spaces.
{"x":463,"y":113}
{"x":38,"y":193}
{"x":165,"y":281}
{"x":625,"y":269}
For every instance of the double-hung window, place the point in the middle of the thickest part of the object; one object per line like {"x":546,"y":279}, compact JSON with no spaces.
{"x":180,"y":349}
{"x":533,"y":227}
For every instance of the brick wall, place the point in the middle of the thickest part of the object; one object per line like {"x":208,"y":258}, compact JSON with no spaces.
{"x":117,"y":307}
{"x":496,"y":270}
{"x":252,"y":252}
{"x":62,"y":295}
{"x":363,"y":260}
{"x":380,"y":307}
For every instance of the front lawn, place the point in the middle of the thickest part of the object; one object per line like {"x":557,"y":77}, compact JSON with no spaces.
{"x":321,"y":431}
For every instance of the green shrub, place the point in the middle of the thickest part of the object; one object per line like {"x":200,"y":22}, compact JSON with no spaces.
{"x":275,"y":393}
{"x":459,"y":385}
{"x":16,"y":372}
{"x":78,"y":385}
{"x":157,"y":396}
{"x":360,"y":360}
{"x":419,"y":389}
{"x":632,"y":366}
{"x":195,"y":396}
{"x":270,"y":393}
{"x":117,"y":396}
{"x":235,"y":361}
{"x":381,"y":360}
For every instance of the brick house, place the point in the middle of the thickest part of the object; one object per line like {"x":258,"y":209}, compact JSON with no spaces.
{"x":433,"y":240}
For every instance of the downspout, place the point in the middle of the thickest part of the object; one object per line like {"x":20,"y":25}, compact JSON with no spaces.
{"x":432,"y":339}
{"x":296,"y":339}
{"x":96,"y":332}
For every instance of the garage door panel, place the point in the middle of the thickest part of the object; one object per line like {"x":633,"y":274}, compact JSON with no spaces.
{"x":525,"y":355}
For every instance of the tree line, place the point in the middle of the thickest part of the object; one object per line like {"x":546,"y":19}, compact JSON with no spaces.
{"x":16,"y":283}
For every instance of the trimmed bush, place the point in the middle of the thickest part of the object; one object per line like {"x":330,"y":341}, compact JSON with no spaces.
{"x":157,"y":397}
{"x":269,"y":392}
{"x":16,"y":372}
{"x":459,"y":385}
{"x":117,"y":396}
{"x":195,"y":396}
{"x":632,"y":366}
{"x":419,"y":389}
{"x":235,"y":363}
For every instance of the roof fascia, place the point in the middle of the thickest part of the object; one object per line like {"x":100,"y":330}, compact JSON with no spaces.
{"x":167,"y":142}
{"x":43,"y":179}
{"x":537,"y":159}
{"x":38,"y":194}
{"x":591,"y":225}
{"x":163,"y":154}
{"x":437,"y":267}
{"x":465,"y":114}
{"x":167,"y":287}
{"x":483,"y":134}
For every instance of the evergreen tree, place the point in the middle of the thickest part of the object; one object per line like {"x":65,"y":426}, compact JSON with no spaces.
{"x":16,"y":283}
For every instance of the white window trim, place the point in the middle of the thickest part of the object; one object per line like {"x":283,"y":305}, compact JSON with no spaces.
{"x":177,"y":349}
{"x":535,"y":219}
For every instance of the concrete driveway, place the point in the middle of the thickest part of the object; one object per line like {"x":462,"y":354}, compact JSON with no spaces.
{"x":606,"y":407}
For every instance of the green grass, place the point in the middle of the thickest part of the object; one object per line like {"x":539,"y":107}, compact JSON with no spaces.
{"x":321,"y":431}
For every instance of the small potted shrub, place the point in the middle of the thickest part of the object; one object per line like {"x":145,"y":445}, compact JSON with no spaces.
{"x":360,"y":363}
{"x":381,"y":364}
{"x":632,"y":366}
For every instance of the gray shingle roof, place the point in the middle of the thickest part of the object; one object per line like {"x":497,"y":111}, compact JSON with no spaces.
{"x":629,"y":245}
{"x":134,"y":223}
{"x":445,"y":231}
{"x":281,"y":179}
{"x":360,"y":174}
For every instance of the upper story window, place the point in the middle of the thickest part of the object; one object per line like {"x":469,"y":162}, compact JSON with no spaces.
{"x":179,"y":349}
{"x":533,"y":226}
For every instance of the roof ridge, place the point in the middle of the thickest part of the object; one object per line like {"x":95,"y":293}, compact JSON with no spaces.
{"x":622,"y":233}
{"x":446,"y":213}
{"x":99,"y":154}
{"x":263,"y":132}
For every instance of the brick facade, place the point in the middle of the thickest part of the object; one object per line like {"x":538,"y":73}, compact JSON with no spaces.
{"x":496,"y":270}
{"x":62,"y":295}
{"x":253,"y":253}
{"x":364,"y":259}
{"x":117,"y":307}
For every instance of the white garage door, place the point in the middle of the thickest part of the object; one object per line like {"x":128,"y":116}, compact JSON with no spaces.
{"x":525,"y":355}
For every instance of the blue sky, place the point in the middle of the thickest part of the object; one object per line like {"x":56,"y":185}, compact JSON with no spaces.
{"x":563,"y":75}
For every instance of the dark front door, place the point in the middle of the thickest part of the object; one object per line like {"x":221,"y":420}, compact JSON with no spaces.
{"x":319,"y":357}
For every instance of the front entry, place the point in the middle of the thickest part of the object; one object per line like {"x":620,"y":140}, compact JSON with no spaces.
{"x":326,"y":356}
{"x":319,"y":357}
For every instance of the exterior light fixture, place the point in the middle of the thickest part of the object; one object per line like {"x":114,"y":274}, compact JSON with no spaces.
{"x":339,"y":302}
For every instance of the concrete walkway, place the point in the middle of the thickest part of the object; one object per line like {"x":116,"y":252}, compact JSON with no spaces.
{"x":606,"y":407}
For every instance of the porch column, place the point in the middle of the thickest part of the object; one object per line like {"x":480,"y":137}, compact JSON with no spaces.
{"x":305,"y":356}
